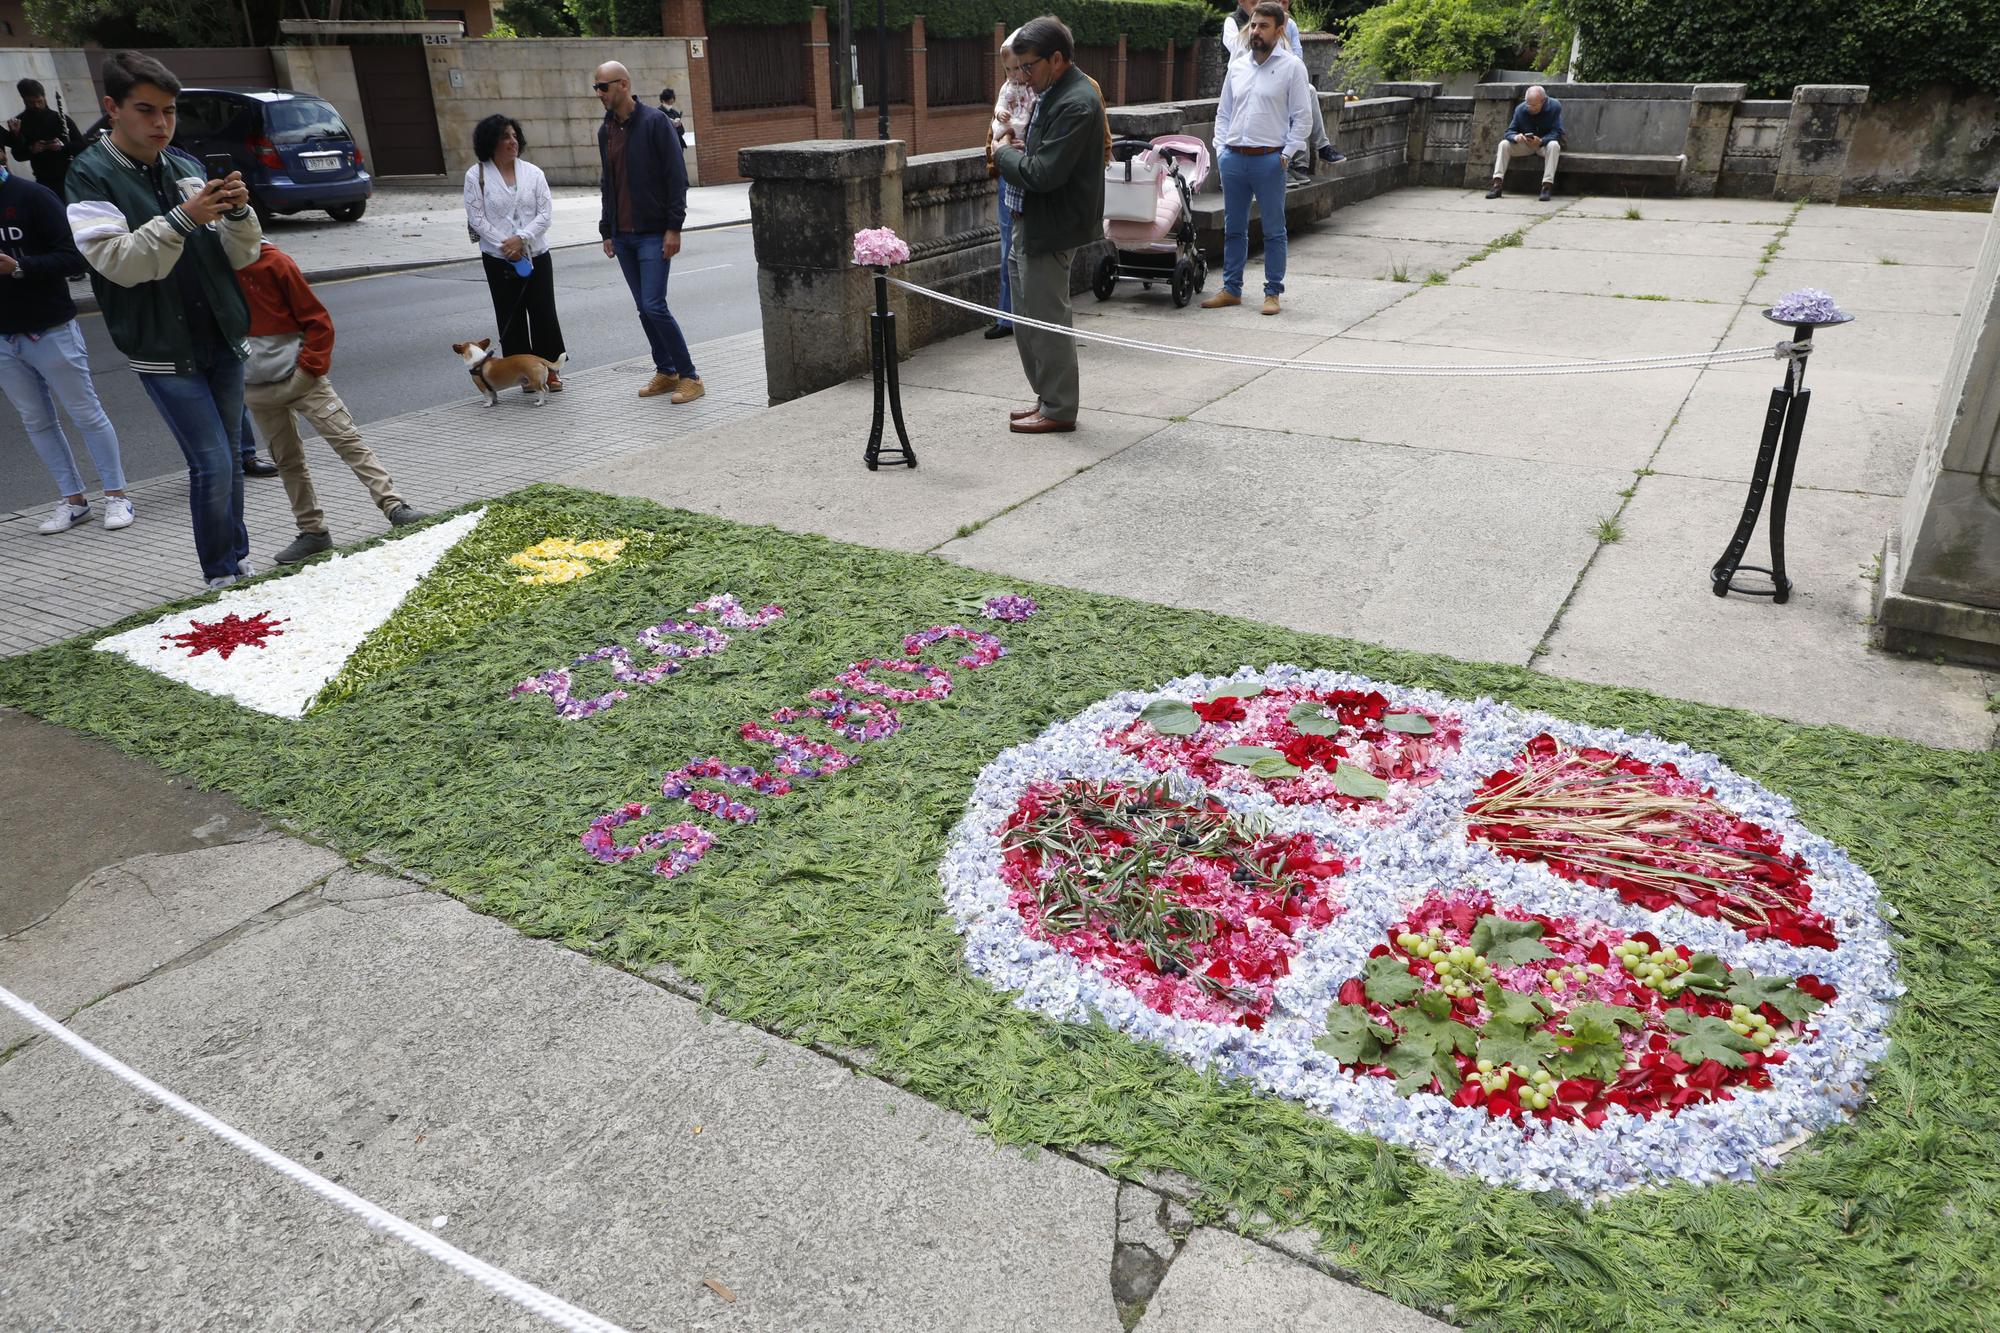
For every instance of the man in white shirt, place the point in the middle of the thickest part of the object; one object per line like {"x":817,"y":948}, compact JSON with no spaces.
{"x":1234,"y":29}
{"x":1263,"y":119}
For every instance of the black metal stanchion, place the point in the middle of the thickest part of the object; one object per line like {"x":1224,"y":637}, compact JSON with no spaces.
{"x":882,"y":358}
{"x":1784,"y":424}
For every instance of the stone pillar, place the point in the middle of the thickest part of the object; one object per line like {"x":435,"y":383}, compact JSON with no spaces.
{"x":1709,"y":118}
{"x":1492,"y":108}
{"x":1813,"y":156}
{"x":806,"y":202}
{"x":1940,"y":586}
{"x":1419,"y":145}
{"x":684,"y":18}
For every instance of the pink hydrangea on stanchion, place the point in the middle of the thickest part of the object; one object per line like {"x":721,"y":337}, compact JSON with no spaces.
{"x":878,"y":248}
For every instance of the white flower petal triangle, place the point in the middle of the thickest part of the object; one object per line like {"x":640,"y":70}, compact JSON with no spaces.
{"x":273,"y":646}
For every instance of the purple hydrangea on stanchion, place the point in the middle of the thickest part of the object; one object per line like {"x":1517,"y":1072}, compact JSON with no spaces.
{"x":1808,"y":309}
{"x":878,"y":248}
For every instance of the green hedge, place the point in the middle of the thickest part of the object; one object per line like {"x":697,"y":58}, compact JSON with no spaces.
{"x":1147,"y":24}
{"x":1893,"y":46}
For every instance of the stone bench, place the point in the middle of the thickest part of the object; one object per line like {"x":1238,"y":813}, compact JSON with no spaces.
{"x":1630,"y":138}
{"x":1605,"y":170}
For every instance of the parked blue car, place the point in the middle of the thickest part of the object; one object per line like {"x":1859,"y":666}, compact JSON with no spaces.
{"x":293,"y":149}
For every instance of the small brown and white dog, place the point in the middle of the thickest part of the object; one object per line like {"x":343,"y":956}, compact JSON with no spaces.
{"x":494,"y":373}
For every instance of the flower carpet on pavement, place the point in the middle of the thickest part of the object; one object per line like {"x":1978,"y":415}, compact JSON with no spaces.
{"x":1540,"y":1004}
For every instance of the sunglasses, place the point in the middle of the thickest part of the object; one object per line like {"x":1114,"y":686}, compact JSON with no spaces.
{"x":605,"y":87}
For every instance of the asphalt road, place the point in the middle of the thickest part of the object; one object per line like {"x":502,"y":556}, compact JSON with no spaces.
{"x":392,"y":349}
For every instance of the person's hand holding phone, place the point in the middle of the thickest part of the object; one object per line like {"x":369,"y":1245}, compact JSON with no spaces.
{"x":216,"y":198}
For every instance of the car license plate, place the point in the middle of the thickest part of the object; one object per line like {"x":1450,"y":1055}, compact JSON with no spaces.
{"x":322,"y":161}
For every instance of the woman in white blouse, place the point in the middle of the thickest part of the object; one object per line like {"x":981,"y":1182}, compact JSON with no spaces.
{"x":508,"y":209}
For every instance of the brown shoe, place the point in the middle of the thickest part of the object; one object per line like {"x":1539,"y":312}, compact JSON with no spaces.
{"x":660,"y":384}
{"x":1221,"y":299}
{"x":688,"y":392}
{"x":555,"y":382}
{"x":1023,"y":413}
{"x":1270,"y":305}
{"x":1040,"y":425}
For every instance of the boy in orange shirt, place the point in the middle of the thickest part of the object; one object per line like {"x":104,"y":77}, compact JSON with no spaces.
{"x":291,"y":350}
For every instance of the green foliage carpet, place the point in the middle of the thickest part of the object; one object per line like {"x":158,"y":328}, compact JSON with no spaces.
{"x":822,"y":920}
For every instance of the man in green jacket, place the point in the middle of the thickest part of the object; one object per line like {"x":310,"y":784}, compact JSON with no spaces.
{"x":1060,"y":174}
{"x":163,"y":245}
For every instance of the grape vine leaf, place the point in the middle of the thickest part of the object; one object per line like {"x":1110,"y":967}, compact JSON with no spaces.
{"x":1416,"y":1066}
{"x":1512,"y":1006}
{"x":1515,"y":1044}
{"x":1433,"y":1031}
{"x":1310,"y":717}
{"x":1352,"y":1037}
{"x":1353,"y":780}
{"x":1707,"y":1039}
{"x":1591,"y":1046}
{"x":1245,"y":755}
{"x":1509,"y":943}
{"x":1706,"y":973}
{"x":1170,"y":717}
{"x":1275,"y":766}
{"x":1411,"y":724}
{"x":1388,"y":980}
{"x":1746,"y":987}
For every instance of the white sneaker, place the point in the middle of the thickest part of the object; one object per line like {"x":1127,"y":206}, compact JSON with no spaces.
{"x":64,"y":517}
{"x":225,"y":581}
{"x":117,"y":512}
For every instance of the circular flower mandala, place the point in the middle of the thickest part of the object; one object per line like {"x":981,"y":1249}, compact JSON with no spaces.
{"x":1548,"y":955}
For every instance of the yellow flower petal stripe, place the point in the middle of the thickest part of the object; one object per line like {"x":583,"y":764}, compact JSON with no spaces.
{"x":561,"y":559}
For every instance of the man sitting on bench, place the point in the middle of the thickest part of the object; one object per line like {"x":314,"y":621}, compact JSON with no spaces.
{"x":1537,"y":129}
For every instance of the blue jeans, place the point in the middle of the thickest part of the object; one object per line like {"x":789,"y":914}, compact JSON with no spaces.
{"x":36,"y":374}
{"x":1006,"y":261}
{"x":1244,"y":178}
{"x":646,"y":272}
{"x":205,"y":412}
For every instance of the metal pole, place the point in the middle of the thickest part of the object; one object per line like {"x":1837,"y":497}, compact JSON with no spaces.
{"x":846,"y":83}
{"x":882,"y":67}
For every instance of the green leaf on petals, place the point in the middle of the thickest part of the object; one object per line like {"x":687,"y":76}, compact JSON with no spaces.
{"x":1600,"y":1022}
{"x":1310,"y":718}
{"x":1388,"y":981}
{"x":1434,"y":1032}
{"x":1707,"y":974}
{"x":1277,"y":766}
{"x":1509,"y":943}
{"x":1746,"y":987}
{"x":1515,"y":1044}
{"x":1352,"y":1037}
{"x":1591,"y":1048}
{"x":1353,"y":780}
{"x":1707,"y":1039}
{"x":1512,"y":1006}
{"x":1412,"y":724}
{"x":1239,"y":689}
{"x":1245,"y":755}
{"x":1415,"y":1066}
{"x":1171,"y":717}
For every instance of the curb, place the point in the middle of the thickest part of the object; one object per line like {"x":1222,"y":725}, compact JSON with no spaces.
{"x":86,"y":300}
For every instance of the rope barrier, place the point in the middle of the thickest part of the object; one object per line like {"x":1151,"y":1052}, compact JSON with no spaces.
{"x":1615,"y":365}
{"x":502,"y":1283}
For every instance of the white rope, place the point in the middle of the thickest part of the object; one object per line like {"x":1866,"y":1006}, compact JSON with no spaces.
{"x":552,"y":1308}
{"x":1676,"y":361}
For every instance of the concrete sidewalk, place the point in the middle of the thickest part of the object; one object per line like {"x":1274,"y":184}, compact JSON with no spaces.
{"x":599,"y":1134}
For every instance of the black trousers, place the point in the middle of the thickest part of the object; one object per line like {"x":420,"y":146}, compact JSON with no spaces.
{"x":533,"y":326}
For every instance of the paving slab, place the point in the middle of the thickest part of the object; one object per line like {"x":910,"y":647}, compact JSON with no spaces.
{"x":1354,"y":256}
{"x":1595,"y":273}
{"x":1863,"y":432}
{"x":1606,"y":421}
{"x":1869,"y":288}
{"x":1547,"y":325}
{"x":143,"y":912}
{"x":1741,"y":211}
{"x":1116,"y":379}
{"x":799,"y":465}
{"x":1523,"y":204}
{"x":1948,"y":247}
{"x":1859,"y":219}
{"x":1221,"y":1278}
{"x":1323,"y":535}
{"x":1643,"y":236}
{"x":1423,"y":224}
{"x":50,"y":773}
{"x":1313,"y":303}
{"x":566,"y":1121}
{"x":1644,"y":616}
{"x":1894,"y":343}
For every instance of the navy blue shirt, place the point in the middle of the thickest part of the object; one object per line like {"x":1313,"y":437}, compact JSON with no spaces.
{"x":1546,"y":124}
{"x":34,"y":232}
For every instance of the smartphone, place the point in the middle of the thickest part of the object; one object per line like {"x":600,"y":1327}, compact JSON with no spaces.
{"x":219,"y":165}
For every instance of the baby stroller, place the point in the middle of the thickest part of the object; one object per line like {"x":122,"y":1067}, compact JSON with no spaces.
{"x":1149,"y":191}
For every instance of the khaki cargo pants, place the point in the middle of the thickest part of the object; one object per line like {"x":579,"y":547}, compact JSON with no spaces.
{"x":276,"y":409}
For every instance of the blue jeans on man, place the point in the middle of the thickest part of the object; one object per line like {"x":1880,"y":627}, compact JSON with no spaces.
{"x":1260,"y":177}
{"x":646,"y":271}
{"x":38,"y":371}
{"x":205,"y":412}
{"x":1006,"y":262}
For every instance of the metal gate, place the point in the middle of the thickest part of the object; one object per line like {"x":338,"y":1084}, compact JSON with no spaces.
{"x":217,"y":67}
{"x":395,"y":88}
